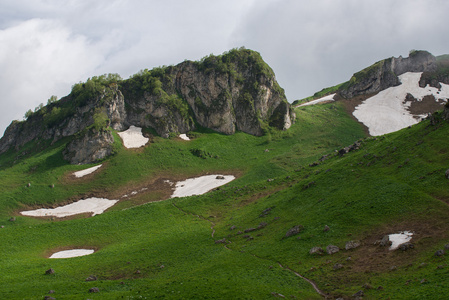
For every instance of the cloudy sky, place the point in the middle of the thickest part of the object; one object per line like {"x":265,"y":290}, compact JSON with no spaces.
{"x":48,"y":45}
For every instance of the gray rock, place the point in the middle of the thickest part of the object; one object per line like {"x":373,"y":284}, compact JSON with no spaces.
{"x":316,"y":250}
{"x":384,"y":74}
{"x":326,"y":228}
{"x":447,"y":174}
{"x":385,"y":241}
{"x":337,"y":266}
{"x":91,"y":278}
{"x":94,"y":290}
{"x":446,"y":246}
{"x":50,"y":271}
{"x":406,"y":246}
{"x":439,"y":253}
{"x":294,"y":230}
{"x":49,"y":298}
{"x":90,"y":147}
{"x":352,"y":245}
{"x":332,"y":249}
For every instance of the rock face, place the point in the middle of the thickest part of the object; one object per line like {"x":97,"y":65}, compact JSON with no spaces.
{"x":384,"y":74}
{"x":90,"y":147}
{"x":236,"y":91}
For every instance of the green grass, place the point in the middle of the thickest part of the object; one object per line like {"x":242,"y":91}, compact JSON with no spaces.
{"x":394,"y":182}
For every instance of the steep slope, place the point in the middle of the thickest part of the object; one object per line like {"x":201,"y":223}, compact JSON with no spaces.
{"x":234,"y":91}
{"x":393,"y":93}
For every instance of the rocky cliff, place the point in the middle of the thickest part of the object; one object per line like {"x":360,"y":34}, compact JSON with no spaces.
{"x":233,"y":91}
{"x":384,"y":74}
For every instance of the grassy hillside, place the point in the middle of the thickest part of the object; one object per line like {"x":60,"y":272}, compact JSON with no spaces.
{"x":168,"y":249}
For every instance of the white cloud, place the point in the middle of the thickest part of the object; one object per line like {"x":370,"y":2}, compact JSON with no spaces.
{"x":41,"y":58}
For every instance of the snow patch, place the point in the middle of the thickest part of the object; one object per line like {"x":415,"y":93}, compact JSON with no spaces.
{"x":387,"y":111}
{"x":200,"y":185}
{"x":398,"y":239}
{"x":323,"y":99}
{"x":72,"y":253}
{"x":91,"y":205}
{"x":184,"y":137}
{"x":133,"y":137}
{"x":85,"y":172}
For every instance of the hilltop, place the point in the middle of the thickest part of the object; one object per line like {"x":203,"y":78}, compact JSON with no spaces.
{"x":225,"y":93}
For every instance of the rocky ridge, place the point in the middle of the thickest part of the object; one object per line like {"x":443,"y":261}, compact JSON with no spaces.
{"x":226,"y":93}
{"x":384,"y":74}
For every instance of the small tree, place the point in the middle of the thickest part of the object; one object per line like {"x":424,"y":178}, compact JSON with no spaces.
{"x":52,"y":99}
{"x":28,"y":114}
{"x":39,"y":107}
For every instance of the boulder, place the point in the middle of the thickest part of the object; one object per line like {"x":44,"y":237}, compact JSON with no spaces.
{"x":406,"y":246}
{"x":337,"y":266}
{"x":332,"y":249}
{"x":50,"y":271}
{"x":316,"y":250}
{"x":294,"y":230}
{"x":439,"y":253}
{"x":352,"y":245}
{"x":91,"y":278}
{"x":94,"y":290}
{"x":385,"y":241}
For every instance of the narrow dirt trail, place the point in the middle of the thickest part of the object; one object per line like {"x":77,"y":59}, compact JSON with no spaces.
{"x":313,"y":284}
{"x":199,"y":217}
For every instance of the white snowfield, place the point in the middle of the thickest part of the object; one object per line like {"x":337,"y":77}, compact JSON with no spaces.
{"x":386,"y":112}
{"x":184,"y":137}
{"x":327,"y":98}
{"x":72,"y":253}
{"x":91,"y":205}
{"x":85,"y":172}
{"x":398,"y":239}
{"x":133,"y":137}
{"x":199,"y":185}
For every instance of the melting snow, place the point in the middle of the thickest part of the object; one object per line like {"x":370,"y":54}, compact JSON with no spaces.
{"x":386,"y":112}
{"x":184,"y":137}
{"x":399,"y":238}
{"x":85,"y":172}
{"x":199,"y":185}
{"x":91,"y":205}
{"x":72,"y":253}
{"x":133,"y":137}
{"x":323,"y":99}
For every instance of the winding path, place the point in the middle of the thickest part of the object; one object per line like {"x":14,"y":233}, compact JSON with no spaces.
{"x":313,"y":284}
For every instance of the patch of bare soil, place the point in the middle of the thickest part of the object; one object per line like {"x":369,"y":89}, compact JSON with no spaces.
{"x":372,"y":258}
{"x":427,"y":105}
{"x":350,"y":105}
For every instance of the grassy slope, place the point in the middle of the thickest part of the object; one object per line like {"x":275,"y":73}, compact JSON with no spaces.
{"x":392,"y":183}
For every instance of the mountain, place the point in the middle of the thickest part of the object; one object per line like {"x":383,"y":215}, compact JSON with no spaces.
{"x":393,"y":93}
{"x":321,"y":210}
{"x":233,"y":91}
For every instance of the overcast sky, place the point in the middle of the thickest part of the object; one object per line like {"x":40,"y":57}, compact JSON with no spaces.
{"x":48,"y":45}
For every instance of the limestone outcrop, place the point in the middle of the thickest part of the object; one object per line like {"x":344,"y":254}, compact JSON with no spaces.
{"x":384,"y":73}
{"x":236,"y":91}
